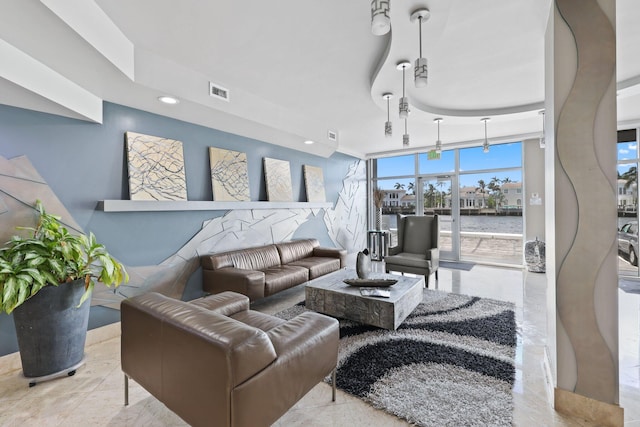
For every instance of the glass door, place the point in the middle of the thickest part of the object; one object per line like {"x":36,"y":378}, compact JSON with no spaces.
{"x":436,"y":198}
{"x":628,"y":219}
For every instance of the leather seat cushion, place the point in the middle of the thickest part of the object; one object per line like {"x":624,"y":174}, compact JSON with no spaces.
{"x":256,"y":258}
{"x":318,"y":266}
{"x":283,"y":277}
{"x":409,"y":260}
{"x":258,"y":320}
{"x":296,"y":250}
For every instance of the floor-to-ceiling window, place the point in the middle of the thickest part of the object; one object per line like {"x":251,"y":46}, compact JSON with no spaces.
{"x":436,"y":180}
{"x":477,"y":195}
{"x":396,"y":178}
{"x":627,"y":190}
{"x":491,"y":204}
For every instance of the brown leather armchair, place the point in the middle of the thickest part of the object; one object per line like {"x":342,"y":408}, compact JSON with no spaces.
{"x":417,"y":249}
{"x":214,"y":362}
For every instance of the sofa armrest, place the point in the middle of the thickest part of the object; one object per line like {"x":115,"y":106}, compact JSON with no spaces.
{"x":245,"y":282}
{"x":395,"y":250}
{"x":225,"y":303}
{"x":433,"y":255}
{"x":307,"y":348}
{"x":307,"y":333}
{"x":332,"y":253}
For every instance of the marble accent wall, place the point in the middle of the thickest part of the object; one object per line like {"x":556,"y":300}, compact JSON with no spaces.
{"x":20,"y":185}
{"x":237,"y":229}
{"x":581,"y":170}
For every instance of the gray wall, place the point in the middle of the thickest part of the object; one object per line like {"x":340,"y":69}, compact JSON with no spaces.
{"x":86,"y":162}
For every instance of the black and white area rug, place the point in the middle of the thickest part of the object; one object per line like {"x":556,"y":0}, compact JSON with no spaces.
{"x":451,"y":363}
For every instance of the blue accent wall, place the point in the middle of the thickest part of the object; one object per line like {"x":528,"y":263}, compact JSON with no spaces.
{"x":86,"y":162}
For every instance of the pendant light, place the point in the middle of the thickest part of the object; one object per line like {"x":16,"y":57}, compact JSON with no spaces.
{"x":388,"y":127}
{"x":380,"y":19}
{"x":438,"y":142}
{"x":420,"y":72}
{"x":485,"y":144}
{"x":403,"y":104}
{"x":405,"y":137}
{"x":542,"y":140}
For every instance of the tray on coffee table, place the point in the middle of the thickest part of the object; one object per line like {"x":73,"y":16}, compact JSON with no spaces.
{"x":370,"y":283}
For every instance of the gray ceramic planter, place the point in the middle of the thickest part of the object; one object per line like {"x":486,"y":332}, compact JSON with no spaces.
{"x":52,"y":329}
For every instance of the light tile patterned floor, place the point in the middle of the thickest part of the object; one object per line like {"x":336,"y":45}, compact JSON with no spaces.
{"x":94,"y":396}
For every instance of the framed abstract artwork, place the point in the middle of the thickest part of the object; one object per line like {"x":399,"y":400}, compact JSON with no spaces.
{"x":156,"y":168}
{"x":229,"y":175}
{"x":278,"y":179}
{"x":314,"y":183}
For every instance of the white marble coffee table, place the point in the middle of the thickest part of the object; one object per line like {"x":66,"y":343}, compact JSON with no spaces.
{"x":330,"y":295}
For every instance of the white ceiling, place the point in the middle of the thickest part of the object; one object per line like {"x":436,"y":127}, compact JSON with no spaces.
{"x":296,"y":69}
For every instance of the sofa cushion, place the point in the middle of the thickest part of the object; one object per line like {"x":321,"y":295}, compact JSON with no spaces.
{"x":258,"y":320}
{"x":257,"y":258}
{"x":318,"y":266}
{"x":409,"y":260}
{"x":296,"y":249}
{"x":283,"y":277}
{"x":225,"y":303}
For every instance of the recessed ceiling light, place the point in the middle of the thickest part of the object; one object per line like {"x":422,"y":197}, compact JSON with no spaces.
{"x":309,"y":142}
{"x":168,"y":100}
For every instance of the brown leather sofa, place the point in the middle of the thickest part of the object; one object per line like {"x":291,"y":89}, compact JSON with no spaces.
{"x":214,"y":362}
{"x":262,"y":271}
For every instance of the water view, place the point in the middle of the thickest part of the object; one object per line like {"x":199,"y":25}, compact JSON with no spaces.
{"x":482,"y":238}
{"x":473,"y":223}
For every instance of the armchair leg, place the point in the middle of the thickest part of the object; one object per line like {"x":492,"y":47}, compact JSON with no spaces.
{"x":126,"y":390}
{"x":333,"y":385}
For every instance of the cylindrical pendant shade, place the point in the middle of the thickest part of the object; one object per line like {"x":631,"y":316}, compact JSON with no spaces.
{"x":403,"y":105}
{"x":438,"y":146}
{"x":388,"y":129}
{"x":405,"y":140}
{"x":420,"y":72}
{"x":380,"y":20}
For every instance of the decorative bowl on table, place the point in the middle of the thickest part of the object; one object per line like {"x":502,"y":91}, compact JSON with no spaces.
{"x":371,"y":283}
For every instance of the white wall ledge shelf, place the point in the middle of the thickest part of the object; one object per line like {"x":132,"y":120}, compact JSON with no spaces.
{"x":160,"y":206}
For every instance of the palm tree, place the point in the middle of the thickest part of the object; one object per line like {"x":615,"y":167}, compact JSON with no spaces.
{"x":440,"y":184}
{"x":506,"y":180}
{"x":481,"y":187}
{"x":496,"y":192}
{"x":631,"y":176}
{"x":411,"y":188}
{"x":428,"y":196}
{"x":398,"y":186}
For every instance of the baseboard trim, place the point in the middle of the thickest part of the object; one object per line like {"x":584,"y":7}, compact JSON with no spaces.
{"x":576,"y":405}
{"x":11,"y":362}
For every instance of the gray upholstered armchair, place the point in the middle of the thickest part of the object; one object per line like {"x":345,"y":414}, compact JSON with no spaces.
{"x":417,"y":250}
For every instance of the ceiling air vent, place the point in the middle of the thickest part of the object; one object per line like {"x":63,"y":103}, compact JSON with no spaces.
{"x":332,"y":135}
{"x":218,"y":91}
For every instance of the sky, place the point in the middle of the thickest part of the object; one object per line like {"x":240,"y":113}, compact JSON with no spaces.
{"x":471,"y":159}
{"x":627,"y":151}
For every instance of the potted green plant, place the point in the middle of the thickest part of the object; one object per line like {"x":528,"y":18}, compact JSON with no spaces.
{"x":45,"y":279}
